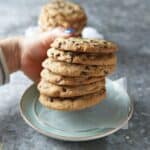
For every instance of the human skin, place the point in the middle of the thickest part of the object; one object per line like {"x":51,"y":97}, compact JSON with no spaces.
{"x":27,"y":53}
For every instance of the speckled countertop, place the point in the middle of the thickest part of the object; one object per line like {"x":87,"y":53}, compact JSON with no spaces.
{"x":126,"y":22}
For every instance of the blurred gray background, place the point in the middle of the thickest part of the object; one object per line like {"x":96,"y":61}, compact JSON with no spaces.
{"x":127,"y":22}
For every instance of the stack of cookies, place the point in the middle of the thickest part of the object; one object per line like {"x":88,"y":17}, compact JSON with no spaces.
{"x":74,"y":73}
{"x":64,"y":14}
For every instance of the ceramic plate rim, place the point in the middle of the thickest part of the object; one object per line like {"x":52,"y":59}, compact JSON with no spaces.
{"x":69,"y":138}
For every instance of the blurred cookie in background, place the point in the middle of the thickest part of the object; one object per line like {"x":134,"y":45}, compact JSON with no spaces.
{"x":63,"y":13}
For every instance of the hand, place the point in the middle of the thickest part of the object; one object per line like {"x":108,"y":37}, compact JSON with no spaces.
{"x":33,"y":51}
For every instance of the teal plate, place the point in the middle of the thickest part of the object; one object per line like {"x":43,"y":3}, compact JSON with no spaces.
{"x":107,"y":117}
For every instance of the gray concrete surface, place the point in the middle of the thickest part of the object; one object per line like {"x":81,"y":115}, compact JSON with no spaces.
{"x":126,"y":22}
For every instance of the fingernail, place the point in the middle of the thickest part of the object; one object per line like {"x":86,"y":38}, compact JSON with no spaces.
{"x":69,"y":31}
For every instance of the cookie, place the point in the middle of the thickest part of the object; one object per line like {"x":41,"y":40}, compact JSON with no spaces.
{"x":82,"y":58}
{"x":62,"y":13}
{"x":64,"y":10}
{"x":84,"y":45}
{"x":54,"y":90}
{"x":76,"y":70}
{"x":71,"y":81}
{"x":77,"y":26}
{"x":72,"y":104}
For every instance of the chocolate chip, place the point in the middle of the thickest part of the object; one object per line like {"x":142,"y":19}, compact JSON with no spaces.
{"x":59,"y":45}
{"x":94,"y":66}
{"x":50,"y":99}
{"x":57,"y":55}
{"x":64,"y":89}
{"x":103,"y":90}
{"x":105,"y":72}
{"x":95,"y":44}
{"x":105,"y":42}
{"x":83,"y":73}
{"x":89,"y":78}
{"x":87,"y":67}
{"x":77,"y":44}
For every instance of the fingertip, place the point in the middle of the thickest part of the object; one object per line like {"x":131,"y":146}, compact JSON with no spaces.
{"x":54,"y":33}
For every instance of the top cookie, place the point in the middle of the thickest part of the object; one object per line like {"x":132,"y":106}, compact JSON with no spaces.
{"x":62,"y":13}
{"x":84,"y":45}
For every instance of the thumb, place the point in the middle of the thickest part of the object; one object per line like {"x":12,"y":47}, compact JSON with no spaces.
{"x":48,"y":37}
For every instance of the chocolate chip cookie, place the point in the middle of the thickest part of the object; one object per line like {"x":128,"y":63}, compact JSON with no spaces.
{"x":71,"y":81}
{"x":76,"y":70}
{"x":84,"y":45}
{"x":74,"y":103}
{"x":62,"y":13}
{"x":82,"y":58}
{"x":53,"y":90}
